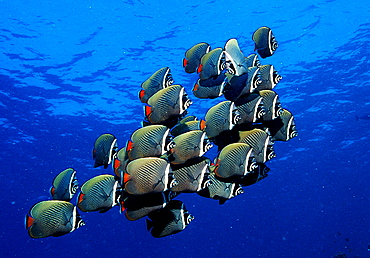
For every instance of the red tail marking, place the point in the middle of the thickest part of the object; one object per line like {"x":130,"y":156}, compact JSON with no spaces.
{"x":29,"y":221}
{"x":200,"y":68}
{"x":196,"y":87}
{"x":184,"y":62}
{"x":148,"y":110}
{"x":80,"y":197}
{"x":116,"y":163}
{"x":126,"y":178}
{"x":129,"y":145}
{"x":202,"y":124}
{"x":141,"y":94}
{"x":122,"y":203}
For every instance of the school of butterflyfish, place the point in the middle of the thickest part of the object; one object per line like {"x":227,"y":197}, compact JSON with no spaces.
{"x":165,"y":157}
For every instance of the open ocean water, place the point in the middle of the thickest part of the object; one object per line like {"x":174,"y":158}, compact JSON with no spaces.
{"x":71,"y":70}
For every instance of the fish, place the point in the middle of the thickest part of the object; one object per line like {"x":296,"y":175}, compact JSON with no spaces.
{"x":166,"y":104}
{"x":282,"y":128}
{"x":194,"y":55}
{"x":52,"y":218}
{"x":105,"y":148}
{"x":210,"y":88}
{"x":364,"y":117}
{"x":157,"y":81}
{"x":258,"y":173}
{"x":236,"y":86}
{"x":269,"y":77}
{"x":272,"y":105}
{"x":192,"y":176}
{"x":99,"y":193}
{"x":254,"y":79}
{"x":65,"y":185}
{"x":251,"y":108}
{"x":265,"y":42}
{"x":148,"y":175}
{"x":170,"y":220}
{"x":186,"y":125}
{"x":139,"y":206}
{"x":252,"y":60}
{"x":149,"y":141}
{"x":119,"y":165}
{"x":234,"y":58}
{"x":220,"y":191}
{"x":189,"y":145}
{"x":212,"y":64}
{"x":221,"y":117}
{"x":234,"y":161}
{"x":261,"y":143}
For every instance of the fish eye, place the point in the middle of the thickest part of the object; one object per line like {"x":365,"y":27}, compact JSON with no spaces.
{"x":239,"y":191}
{"x":170,"y":146}
{"x":252,"y":164}
{"x":207,"y":145}
{"x":276,"y":77}
{"x":74,"y":188}
{"x":257,"y":62}
{"x":279,"y":111}
{"x":173,"y":183}
{"x":230,"y":67}
{"x":236,"y":116}
{"x":189,"y":218}
{"x":261,"y":110}
{"x":274,"y":44}
{"x":256,"y":80}
{"x":270,"y":152}
{"x":207,"y":183}
{"x":186,"y":101}
{"x":81,"y":223}
{"x":168,"y":80}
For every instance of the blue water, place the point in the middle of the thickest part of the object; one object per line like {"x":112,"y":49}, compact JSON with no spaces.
{"x":71,"y":71}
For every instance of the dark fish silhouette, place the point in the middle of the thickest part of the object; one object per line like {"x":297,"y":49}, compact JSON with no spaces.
{"x":65,"y":185}
{"x":99,"y":193}
{"x":156,"y":82}
{"x":170,"y":220}
{"x":105,"y":148}
{"x":265,"y":42}
{"x":194,"y":55}
{"x":364,"y":117}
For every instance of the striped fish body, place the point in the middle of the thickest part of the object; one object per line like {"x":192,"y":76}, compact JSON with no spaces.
{"x":148,"y":141}
{"x":261,"y":143}
{"x":235,"y":60}
{"x":52,"y":218}
{"x":157,"y":81}
{"x":105,"y":148}
{"x":189,"y":145}
{"x":269,"y":77}
{"x":191,"y":176}
{"x":221,"y":191}
{"x":251,"y":108}
{"x":166,"y":103}
{"x":194,"y":55}
{"x":221,"y":117}
{"x":272,"y":105}
{"x":65,"y":185}
{"x":148,"y":175}
{"x":265,"y":42}
{"x":234,"y":161}
{"x":212,"y":64}
{"x":98,"y":194}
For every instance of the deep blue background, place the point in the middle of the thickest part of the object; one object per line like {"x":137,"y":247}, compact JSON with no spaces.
{"x":70,"y":72}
